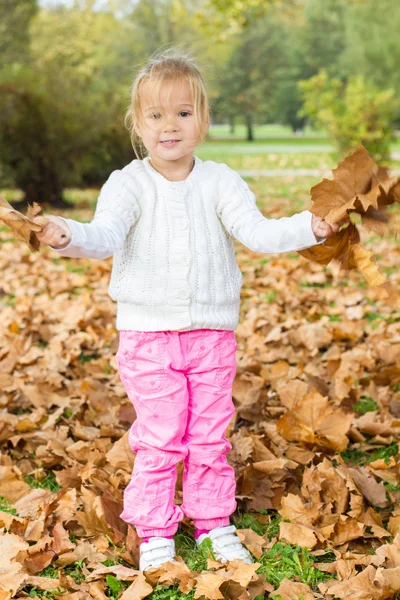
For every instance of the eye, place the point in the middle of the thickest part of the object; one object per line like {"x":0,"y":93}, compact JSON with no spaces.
{"x":184,"y":113}
{"x":155,"y":116}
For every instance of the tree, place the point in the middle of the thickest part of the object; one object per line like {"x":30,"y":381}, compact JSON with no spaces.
{"x":373,"y":48}
{"x":313,"y":36}
{"x":353,"y":112}
{"x":15,"y":17}
{"x":58,"y":111}
{"x":248,"y":77}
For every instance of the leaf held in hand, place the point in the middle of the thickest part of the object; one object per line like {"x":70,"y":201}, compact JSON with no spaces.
{"x":23,"y":227}
{"x":358,"y":186}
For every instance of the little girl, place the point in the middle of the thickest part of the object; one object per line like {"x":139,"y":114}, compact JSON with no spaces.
{"x":169,"y":221}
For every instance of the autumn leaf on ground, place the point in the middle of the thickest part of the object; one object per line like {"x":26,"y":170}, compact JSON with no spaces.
{"x":358,"y":186}
{"x":313,"y":421}
{"x":23,"y":227}
{"x":290,"y":590}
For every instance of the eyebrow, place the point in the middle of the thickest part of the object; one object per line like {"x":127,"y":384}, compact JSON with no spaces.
{"x":157,"y":107}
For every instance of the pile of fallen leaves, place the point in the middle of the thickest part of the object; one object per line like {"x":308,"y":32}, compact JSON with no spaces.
{"x":314,"y":438}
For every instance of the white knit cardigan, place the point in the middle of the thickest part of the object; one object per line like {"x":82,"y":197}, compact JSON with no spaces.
{"x":174,"y":265}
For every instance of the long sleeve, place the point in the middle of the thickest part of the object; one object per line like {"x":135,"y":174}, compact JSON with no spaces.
{"x":116,"y":211}
{"x":243,"y":220}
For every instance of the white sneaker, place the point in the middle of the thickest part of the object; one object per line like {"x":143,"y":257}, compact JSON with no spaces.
{"x":155,"y":552}
{"x":226,"y":544}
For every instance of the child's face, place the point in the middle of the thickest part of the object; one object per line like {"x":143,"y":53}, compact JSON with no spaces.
{"x":168,"y":127}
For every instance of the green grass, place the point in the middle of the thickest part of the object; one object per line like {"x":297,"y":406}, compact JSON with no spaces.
{"x":169,"y":593}
{"x":194,"y":556}
{"x":49,"y":482}
{"x":273,"y":130}
{"x":366,"y":404}
{"x":269,"y":528}
{"x":293,"y":562}
{"x":115,"y":586}
{"x":364,"y":457}
{"x":34,"y":592}
{"x":5,"y":506}
{"x":84,"y":358}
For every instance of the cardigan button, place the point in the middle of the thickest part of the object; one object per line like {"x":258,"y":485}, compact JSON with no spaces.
{"x":182,"y":224}
{"x":185,"y":260}
{"x":184,"y":293}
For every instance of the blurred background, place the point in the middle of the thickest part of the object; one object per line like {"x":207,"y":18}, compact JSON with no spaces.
{"x":294,"y":85}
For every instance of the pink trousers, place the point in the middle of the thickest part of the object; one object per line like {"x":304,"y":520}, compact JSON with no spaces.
{"x":180,"y":384}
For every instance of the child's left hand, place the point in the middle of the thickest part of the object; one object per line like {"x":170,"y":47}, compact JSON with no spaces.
{"x":323,"y":229}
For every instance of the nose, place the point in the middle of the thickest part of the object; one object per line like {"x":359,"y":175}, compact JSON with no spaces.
{"x":171,"y":124}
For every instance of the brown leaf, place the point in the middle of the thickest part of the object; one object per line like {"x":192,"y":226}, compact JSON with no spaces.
{"x":290,"y":590}
{"x":358,"y":185}
{"x":23,"y":227}
{"x":373,"y":491}
{"x":207,"y":585}
{"x":252,"y":541}
{"x":297,"y":534}
{"x":138,"y":589}
{"x":294,"y":510}
{"x":361,"y":587}
{"x":170,"y":573}
{"x":12,"y":573}
{"x":243,"y":573}
{"x":388,"y":555}
{"x":313,"y":421}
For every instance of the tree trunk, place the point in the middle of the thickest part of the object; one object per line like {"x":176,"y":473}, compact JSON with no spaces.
{"x":45,"y":189}
{"x":250,"y":131}
{"x":232,"y":125}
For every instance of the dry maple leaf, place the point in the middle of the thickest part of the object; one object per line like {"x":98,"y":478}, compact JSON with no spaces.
{"x":12,"y":573}
{"x":23,"y":227}
{"x":359,"y":186}
{"x":290,"y":590}
{"x":297,"y":534}
{"x":312,"y":420}
{"x":207,"y":586}
{"x":138,"y":589}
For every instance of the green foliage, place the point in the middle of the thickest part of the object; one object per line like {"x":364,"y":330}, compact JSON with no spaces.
{"x":269,"y":528}
{"x":292,"y":562}
{"x":49,"y":482}
{"x":49,"y":571}
{"x":60,"y":112}
{"x":76,"y":571}
{"x":365,"y":404}
{"x":15,"y":16}
{"x":115,"y":586}
{"x":372,"y":47}
{"x":194,"y":556}
{"x":363,"y":457}
{"x":34,"y":592}
{"x":169,"y":593}
{"x":5,"y":506}
{"x":353,"y":112}
{"x":250,"y":73}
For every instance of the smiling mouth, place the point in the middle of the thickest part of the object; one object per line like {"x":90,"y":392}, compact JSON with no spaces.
{"x":167,"y":142}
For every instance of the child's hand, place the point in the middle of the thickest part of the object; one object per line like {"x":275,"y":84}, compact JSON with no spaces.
{"x":323,"y":229}
{"x":55,"y":232}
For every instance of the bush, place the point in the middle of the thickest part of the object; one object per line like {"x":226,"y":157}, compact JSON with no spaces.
{"x":353,"y":111}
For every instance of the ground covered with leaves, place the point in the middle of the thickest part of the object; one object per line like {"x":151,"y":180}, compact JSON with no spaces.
{"x":315,"y":435}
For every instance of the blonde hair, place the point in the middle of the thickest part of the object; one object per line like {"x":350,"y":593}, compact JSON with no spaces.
{"x":164,"y":67}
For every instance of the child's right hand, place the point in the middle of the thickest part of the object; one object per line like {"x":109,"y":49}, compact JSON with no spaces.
{"x":55,"y":232}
